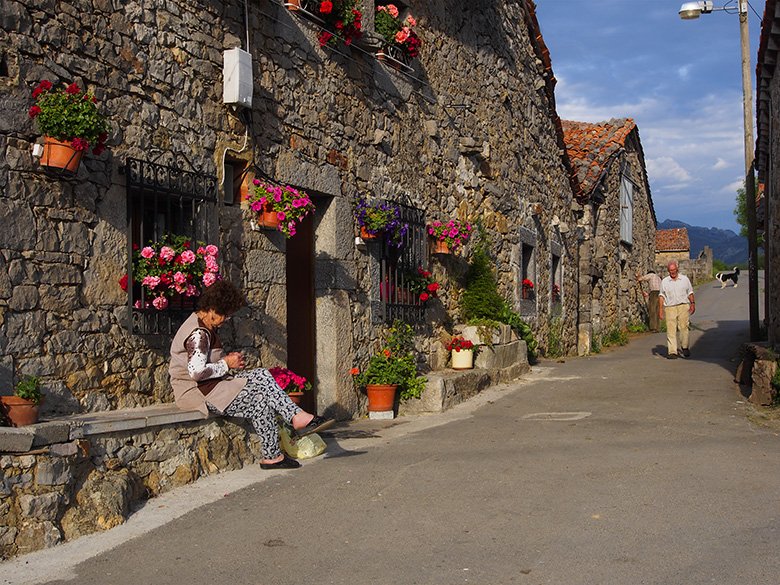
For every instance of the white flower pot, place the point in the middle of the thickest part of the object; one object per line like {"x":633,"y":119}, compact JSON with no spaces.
{"x":463,"y":359}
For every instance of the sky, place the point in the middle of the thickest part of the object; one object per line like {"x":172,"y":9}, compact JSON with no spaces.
{"x":681,"y":81}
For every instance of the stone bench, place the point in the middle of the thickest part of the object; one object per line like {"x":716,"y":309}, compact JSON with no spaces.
{"x":68,"y":429}
{"x":68,"y":477}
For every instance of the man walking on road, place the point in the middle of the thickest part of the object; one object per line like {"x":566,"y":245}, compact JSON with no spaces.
{"x":676,"y":296}
{"x":654,"y":281}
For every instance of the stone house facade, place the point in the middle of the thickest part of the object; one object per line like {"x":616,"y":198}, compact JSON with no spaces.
{"x":672,"y":244}
{"x":616,"y":224}
{"x":468,"y":132}
{"x":768,"y":163}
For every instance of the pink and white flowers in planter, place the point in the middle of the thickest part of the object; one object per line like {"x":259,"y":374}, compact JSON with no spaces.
{"x":289,"y":204}
{"x":173,"y":266}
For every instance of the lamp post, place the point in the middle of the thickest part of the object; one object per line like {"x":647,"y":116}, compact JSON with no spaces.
{"x":691,"y":10}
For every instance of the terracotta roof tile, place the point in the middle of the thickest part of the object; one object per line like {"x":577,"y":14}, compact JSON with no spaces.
{"x":674,"y":240}
{"x":591,"y":146}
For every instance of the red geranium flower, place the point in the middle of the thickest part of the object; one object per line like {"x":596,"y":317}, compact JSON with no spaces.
{"x":326,"y":7}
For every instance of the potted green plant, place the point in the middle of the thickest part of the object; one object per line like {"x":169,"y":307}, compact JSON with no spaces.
{"x":22,"y":408}
{"x":293,"y":384}
{"x":392,"y":368}
{"x":70,"y":122}
{"x":279,"y":207}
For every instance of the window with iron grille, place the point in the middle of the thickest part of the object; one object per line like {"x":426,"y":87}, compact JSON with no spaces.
{"x":398,"y":264}
{"x":164,"y":200}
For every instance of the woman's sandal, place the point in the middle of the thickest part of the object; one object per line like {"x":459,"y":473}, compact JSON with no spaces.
{"x":286,"y":463}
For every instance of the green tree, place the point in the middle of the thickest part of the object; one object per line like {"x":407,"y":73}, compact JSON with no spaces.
{"x":740,"y":213}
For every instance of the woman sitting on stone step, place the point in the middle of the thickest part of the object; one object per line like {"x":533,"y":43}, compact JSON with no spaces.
{"x":200,"y":377}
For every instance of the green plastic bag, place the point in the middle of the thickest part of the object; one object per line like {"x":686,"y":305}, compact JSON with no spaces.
{"x":303,"y":448}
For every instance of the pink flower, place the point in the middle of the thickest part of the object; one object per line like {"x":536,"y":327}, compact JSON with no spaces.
{"x":180,"y":278}
{"x":151,"y":282}
{"x":255,"y":182}
{"x":211,"y":264}
{"x":381,"y":8}
{"x":281,"y":215}
{"x":188,"y":256}
{"x":393,"y":10}
{"x":212,"y":250}
{"x":160,"y":302}
{"x":147,"y":252}
{"x":410,"y":21}
{"x":167,"y":253}
{"x":191,"y":290}
{"x":137,"y":304}
{"x":209,"y":278}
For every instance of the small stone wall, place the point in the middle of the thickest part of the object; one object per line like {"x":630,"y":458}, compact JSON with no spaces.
{"x":60,"y":491}
{"x":755,"y":373}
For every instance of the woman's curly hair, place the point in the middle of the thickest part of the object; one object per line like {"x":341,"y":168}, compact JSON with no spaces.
{"x":223,"y":297}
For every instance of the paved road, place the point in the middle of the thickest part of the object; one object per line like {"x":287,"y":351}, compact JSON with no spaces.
{"x":622,"y":468}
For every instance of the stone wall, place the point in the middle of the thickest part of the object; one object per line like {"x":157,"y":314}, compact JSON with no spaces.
{"x":471,"y":135}
{"x":610,"y":295}
{"x":67,"y":490}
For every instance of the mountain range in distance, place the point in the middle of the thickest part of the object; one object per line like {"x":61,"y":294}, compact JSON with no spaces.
{"x":726,"y":245}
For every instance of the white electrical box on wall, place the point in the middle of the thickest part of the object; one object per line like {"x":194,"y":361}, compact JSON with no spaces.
{"x":237,"y":78}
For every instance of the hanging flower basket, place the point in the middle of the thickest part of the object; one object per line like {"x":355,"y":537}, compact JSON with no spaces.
{"x":70,"y":122}
{"x":288,"y":204}
{"x":401,"y":43}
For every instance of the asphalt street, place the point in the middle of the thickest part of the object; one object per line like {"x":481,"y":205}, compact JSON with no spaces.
{"x":619,"y":468}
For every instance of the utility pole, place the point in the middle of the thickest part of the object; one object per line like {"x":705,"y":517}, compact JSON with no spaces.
{"x":750,"y":181}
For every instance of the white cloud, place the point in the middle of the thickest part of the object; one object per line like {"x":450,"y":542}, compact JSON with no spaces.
{"x":666,"y":168}
{"x":720,"y":164}
{"x":731,"y":188}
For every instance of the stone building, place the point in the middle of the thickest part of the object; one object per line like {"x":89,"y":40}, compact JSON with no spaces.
{"x":672,"y":244}
{"x":468,"y":131}
{"x":768,"y":162}
{"x":616,"y":221}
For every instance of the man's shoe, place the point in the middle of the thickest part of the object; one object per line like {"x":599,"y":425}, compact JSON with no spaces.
{"x":317,"y":424}
{"x":686,"y":353}
{"x":671,"y":356}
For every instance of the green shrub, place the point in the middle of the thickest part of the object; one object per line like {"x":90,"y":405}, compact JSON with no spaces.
{"x":637,"y":327}
{"x":555,"y":339}
{"x":615,"y":336}
{"x":481,"y":299}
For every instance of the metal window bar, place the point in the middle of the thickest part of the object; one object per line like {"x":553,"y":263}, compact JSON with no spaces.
{"x":396,"y":266}
{"x":164,"y":199}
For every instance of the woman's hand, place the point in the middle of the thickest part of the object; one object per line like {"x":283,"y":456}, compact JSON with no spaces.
{"x":235,"y":360}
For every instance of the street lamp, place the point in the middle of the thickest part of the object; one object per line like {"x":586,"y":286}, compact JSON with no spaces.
{"x":692,"y":10}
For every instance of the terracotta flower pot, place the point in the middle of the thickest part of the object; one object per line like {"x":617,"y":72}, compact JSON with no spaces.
{"x":292,"y":4}
{"x":440,"y":247}
{"x":296,"y":397}
{"x":60,"y":155}
{"x":463,"y":359}
{"x":19,"y":411}
{"x":268,"y":218}
{"x":381,"y":397}
{"x":364,"y":235}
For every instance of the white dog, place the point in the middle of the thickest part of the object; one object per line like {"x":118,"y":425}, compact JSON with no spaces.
{"x":724,"y":277}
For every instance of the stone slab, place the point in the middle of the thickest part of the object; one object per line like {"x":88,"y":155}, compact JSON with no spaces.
{"x":47,"y":433}
{"x":13,"y":440}
{"x":502,"y":356}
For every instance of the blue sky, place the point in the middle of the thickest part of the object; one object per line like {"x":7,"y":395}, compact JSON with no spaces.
{"x":681,"y":81}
